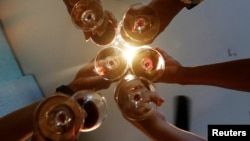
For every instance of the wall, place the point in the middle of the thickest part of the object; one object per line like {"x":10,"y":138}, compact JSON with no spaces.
{"x":47,"y":45}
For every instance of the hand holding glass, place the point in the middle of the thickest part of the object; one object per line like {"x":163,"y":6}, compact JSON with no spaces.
{"x":57,"y":118}
{"x":87,"y":14}
{"x":95,"y":105}
{"x":140,"y":25}
{"x":133,"y":97}
{"x":97,"y":24}
{"x":61,"y":117}
{"x":110,"y":63}
{"x":147,"y":62}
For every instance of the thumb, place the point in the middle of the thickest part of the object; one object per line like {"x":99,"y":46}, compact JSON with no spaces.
{"x":87,"y":35}
{"x":154,"y":96}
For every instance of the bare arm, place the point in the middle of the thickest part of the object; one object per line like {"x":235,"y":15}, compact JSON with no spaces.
{"x":232,"y":74}
{"x":155,"y":125}
{"x":18,"y":124}
{"x":157,"y":128}
{"x":166,"y":10}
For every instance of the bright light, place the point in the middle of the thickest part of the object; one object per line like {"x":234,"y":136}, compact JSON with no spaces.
{"x":129,"y":54}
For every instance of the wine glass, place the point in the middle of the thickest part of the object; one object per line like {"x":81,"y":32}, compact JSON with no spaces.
{"x":111,"y":63}
{"x":95,"y":106}
{"x":148,"y":63}
{"x":61,"y":117}
{"x":107,"y":38}
{"x":139,"y":26}
{"x":132,"y":96}
{"x":57,"y":118}
{"x":87,"y":15}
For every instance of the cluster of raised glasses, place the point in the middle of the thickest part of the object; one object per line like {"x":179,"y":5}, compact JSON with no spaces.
{"x":124,"y":57}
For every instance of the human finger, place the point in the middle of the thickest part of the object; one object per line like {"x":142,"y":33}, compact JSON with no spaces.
{"x":87,"y":35}
{"x":163,"y":53}
{"x":87,"y":71}
{"x":112,"y":18}
{"x":155,"y":97}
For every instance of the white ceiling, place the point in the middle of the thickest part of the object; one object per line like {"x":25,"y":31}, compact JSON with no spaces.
{"x":47,"y":45}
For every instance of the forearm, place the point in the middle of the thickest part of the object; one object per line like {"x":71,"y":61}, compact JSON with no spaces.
{"x":232,"y":75}
{"x":18,"y":124}
{"x":158,"y":129}
{"x":167,"y":131}
{"x":166,"y":10}
{"x":69,"y":4}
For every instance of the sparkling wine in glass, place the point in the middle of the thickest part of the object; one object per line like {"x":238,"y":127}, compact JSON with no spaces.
{"x":95,"y":106}
{"x":111,"y":63}
{"x":87,"y":15}
{"x":132,"y":96}
{"x":139,"y":26}
{"x":61,"y":117}
{"x":107,"y":30}
{"x":148,"y":63}
{"x":57,"y":118}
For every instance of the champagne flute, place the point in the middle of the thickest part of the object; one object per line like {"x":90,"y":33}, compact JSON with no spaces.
{"x":148,"y":63}
{"x":111,"y":63}
{"x":57,"y":118}
{"x":139,"y":26}
{"x":132,"y":96}
{"x":95,"y":106}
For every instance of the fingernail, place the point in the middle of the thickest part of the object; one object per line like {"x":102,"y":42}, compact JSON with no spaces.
{"x":160,"y":101}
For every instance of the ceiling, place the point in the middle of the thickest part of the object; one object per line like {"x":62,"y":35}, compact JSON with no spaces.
{"x":47,"y":45}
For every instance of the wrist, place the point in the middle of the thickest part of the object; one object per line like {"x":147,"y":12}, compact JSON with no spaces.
{"x":65,"y":90}
{"x":189,"y":4}
{"x":73,"y":86}
{"x":181,"y":76}
{"x":192,"y":75}
{"x":69,"y":89}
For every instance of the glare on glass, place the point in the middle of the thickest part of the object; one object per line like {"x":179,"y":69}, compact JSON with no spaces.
{"x":132,"y":96}
{"x":148,"y":63}
{"x":95,"y":106}
{"x":57,"y":118}
{"x":61,"y":117}
{"x":87,"y":15}
{"x":140,"y":25}
{"x":110,"y":63}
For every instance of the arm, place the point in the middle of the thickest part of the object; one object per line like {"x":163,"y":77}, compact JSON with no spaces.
{"x":167,"y":10}
{"x":18,"y":124}
{"x":154,"y":124}
{"x":157,"y":128}
{"x":232,"y":74}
